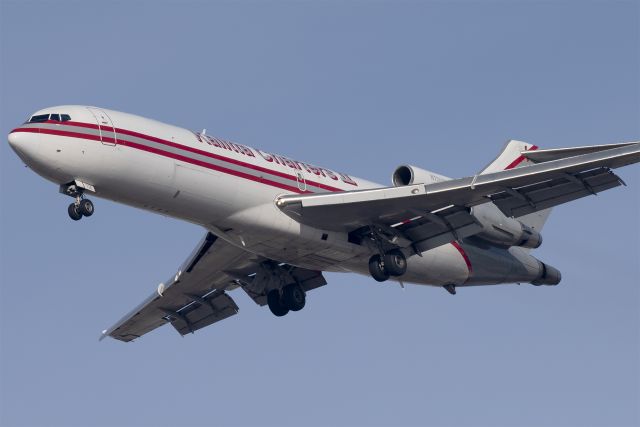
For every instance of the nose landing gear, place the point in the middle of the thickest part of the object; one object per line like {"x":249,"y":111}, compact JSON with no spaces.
{"x":81,"y":207}
{"x":74,"y":212}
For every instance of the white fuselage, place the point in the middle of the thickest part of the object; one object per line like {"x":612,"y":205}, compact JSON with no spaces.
{"x":227,"y":188}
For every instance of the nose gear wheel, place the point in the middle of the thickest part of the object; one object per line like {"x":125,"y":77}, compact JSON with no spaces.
{"x":81,"y":207}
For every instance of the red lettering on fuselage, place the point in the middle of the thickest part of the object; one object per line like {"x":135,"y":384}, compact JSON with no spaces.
{"x":276,"y":158}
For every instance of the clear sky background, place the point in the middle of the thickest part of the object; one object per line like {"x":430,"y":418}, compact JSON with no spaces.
{"x":354,"y":86}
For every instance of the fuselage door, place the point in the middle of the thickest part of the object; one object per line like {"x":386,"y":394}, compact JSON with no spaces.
{"x":302,"y":183}
{"x":105,"y":126}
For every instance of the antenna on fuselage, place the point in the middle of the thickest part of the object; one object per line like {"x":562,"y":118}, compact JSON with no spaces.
{"x":203,"y":131}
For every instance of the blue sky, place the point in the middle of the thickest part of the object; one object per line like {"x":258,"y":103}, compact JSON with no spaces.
{"x":354,"y":86}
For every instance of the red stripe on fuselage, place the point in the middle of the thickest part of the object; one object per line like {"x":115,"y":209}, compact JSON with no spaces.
{"x":163,"y":153}
{"x":175,"y":145}
{"x":213,"y":167}
{"x":202,"y":152}
{"x":59,"y":133}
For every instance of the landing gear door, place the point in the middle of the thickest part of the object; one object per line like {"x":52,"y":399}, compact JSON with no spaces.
{"x":106,"y":131}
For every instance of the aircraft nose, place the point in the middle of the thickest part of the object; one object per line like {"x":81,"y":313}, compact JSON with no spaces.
{"x":21,"y":142}
{"x":14,"y":139}
{"x":25,"y":145}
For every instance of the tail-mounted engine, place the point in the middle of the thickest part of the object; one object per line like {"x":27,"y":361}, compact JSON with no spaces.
{"x":502,"y":230}
{"x":408,"y":175}
{"x":496,"y":227}
{"x":548,"y":275}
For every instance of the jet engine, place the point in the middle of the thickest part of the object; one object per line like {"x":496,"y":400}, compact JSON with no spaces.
{"x":513,"y":233}
{"x":503,"y":230}
{"x":548,"y":276}
{"x":497,"y":228}
{"x":409,"y":175}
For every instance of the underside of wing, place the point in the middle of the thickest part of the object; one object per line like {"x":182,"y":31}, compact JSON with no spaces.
{"x":192,"y":299}
{"x":196,"y":296}
{"x":524,"y":200}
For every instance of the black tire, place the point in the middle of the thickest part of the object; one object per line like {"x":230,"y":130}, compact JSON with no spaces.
{"x":86,"y":207}
{"x":275,"y":303}
{"x":294,"y":297}
{"x":74,"y":212}
{"x":395,"y":263}
{"x":377,"y":269}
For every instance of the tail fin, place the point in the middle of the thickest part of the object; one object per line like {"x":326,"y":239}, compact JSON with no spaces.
{"x":511,"y":157}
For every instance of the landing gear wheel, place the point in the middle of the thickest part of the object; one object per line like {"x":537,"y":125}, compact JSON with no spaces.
{"x":86,"y":207}
{"x":377,"y":269}
{"x":395,"y":263}
{"x":293,"y":297}
{"x":276,"y":304}
{"x":74,"y":212}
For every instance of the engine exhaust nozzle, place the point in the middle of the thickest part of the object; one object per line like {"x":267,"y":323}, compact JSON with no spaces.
{"x":548,"y":276}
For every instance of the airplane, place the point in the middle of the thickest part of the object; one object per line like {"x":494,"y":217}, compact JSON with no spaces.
{"x":274,"y":224}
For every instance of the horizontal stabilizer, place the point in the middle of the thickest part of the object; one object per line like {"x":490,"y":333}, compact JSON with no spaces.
{"x":547,"y":155}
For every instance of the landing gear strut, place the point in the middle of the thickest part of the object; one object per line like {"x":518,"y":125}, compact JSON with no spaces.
{"x":393,"y":263}
{"x":81,"y":207}
{"x":292,"y":298}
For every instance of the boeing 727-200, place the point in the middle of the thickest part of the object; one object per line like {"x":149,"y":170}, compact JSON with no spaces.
{"x":274,"y":224}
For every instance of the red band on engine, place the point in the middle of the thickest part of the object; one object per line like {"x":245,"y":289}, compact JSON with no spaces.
{"x":464,"y":256}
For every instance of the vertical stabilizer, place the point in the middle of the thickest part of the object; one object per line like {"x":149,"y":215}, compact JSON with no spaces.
{"x":511,"y":157}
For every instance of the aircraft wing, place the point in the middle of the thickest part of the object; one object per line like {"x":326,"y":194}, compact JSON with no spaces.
{"x":435,"y":214}
{"x":195,"y":297}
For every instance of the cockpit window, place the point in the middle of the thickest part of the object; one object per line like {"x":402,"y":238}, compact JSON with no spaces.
{"x":39,"y":118}
{"x":55,"y":117}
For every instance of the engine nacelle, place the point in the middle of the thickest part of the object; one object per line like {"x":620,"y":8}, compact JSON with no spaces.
{"x":502,"y":230}
{"x":408,"y":175}
{"x":548,"y":275}
{"x":512,"y":233}
{"x":497,"y":228}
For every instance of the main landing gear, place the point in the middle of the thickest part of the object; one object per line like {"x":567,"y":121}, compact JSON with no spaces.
{"x":81,"y":207}
{"x":290,"y":298}
{"x":392,"y":263}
